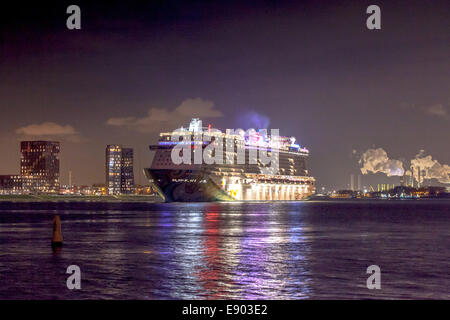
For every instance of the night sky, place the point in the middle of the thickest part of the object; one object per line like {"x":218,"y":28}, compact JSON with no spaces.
{"x":310,"y":68}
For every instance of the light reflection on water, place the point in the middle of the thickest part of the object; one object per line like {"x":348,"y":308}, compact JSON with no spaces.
{"x":227,"y":251}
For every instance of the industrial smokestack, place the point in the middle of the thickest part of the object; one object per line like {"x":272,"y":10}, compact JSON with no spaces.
{"x":418,"y":177}
{"x":352,"y":182}
{"x":411,"y":179}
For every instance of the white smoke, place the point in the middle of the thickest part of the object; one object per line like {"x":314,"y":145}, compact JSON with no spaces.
{"x":376,"y":160}
{"x":432,"y":168}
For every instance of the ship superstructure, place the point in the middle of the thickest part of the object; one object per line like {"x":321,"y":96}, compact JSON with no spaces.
{"x":244,"y":174}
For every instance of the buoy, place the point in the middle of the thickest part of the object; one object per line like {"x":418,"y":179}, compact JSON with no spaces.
{"x":57,"y":239}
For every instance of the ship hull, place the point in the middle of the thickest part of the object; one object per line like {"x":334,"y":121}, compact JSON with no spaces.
{"x":199,"y":186}
{"x":185,"y":186}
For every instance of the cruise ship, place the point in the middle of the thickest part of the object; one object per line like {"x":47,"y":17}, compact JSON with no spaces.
{"x":244,"y":174}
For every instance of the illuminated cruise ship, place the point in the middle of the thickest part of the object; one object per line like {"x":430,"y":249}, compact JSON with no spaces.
{"x":244,"y":174}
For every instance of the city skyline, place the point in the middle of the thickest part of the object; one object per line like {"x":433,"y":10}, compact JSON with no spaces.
{"x":317,"y":74}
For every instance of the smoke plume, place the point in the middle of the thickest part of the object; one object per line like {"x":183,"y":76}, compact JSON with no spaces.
{"x":432,"y":168}
{"x":376,"y":160}
{"x":253,"y":119}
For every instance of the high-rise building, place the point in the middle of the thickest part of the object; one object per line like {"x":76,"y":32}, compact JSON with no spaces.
{"x":119,"y":170}
{"x":39,"y":166}
{"x":10,"y":184}
{"x":113,"y":164}
{"x":127,"y":174}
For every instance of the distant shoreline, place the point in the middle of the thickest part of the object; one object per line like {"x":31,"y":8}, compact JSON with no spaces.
{"x":377,"y":199}
{"x":157,"y":199}
{"x":79,"y":198}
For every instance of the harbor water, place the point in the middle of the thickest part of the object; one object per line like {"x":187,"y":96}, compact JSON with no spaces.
{"x":273,"y":250}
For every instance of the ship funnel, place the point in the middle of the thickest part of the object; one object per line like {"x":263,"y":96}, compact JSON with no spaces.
{"x":195,"y":125}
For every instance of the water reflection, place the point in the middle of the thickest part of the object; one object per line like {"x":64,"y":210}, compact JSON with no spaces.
{"x":227,"y":251}
{"x":241,"y":256}
{"x":265,"y":263}
{"x":211,"y":269}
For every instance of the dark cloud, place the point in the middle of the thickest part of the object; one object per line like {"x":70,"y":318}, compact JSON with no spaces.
{"x":165,"y":119}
